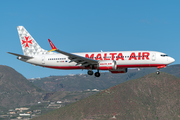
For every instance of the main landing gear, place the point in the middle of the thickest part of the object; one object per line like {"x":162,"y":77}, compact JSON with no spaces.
{"x":97,"y":74}
{"x":90,"y":72}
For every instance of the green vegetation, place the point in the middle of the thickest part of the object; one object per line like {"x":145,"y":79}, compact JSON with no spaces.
{"x":16,"y":90}
{"x":63,"y":95}
{"x":84,"y":82}
{"x":150,"y":97}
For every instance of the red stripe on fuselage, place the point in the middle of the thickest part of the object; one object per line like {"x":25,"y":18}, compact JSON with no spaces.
{"x":118,"y":66}
{"x":140,"y":65}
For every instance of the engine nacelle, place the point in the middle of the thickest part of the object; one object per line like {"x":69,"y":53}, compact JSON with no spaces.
{"x":123,"y":70}
{"x":107,"y":65}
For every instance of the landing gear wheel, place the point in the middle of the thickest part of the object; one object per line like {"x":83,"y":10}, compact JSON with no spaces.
{"x":90,"y":72}
{"x":157,"y":72}
{"x":97,"y":74}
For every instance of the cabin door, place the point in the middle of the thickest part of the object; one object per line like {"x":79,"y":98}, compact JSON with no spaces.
{"x":153,"y":56}
{"x":43,"y":60}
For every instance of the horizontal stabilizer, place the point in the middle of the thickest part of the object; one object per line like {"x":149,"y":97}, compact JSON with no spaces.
{"x":22,"y":56}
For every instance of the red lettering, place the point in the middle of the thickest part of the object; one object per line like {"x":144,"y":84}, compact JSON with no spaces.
{"x":99,"y":57}
{"x":112,"y":55}
{"x":103,"y":63}
{"x":139,"y":56}
{"x":120,"y":56}
{"x":145,"y":55}
{"x":91,"y":57}
{"x":105,"y":55}
{"x":133,"y":56}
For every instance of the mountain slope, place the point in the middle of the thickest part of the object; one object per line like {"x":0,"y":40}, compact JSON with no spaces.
{"x":16,"y":90}
{"x":172,"y":69}
{"x":84,"y":82}
{"x":149,"y":97}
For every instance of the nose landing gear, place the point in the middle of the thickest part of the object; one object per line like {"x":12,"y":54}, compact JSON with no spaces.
{"x":159,"y":67}
{"x":158,"y":72}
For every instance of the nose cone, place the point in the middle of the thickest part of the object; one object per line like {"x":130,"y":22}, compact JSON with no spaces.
{"x":171,"y":60}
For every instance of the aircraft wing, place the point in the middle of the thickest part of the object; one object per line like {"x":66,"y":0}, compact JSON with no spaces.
{"x":74,"y":58}
{"x":22,"y":56}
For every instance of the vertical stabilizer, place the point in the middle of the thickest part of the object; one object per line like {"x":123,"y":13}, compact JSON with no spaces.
{"x":29,"y":46}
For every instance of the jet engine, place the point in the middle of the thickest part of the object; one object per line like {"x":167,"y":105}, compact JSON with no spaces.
{"x":107,"y":65}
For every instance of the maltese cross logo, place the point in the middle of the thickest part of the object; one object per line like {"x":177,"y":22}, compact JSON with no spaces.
{"x":26,"y":42}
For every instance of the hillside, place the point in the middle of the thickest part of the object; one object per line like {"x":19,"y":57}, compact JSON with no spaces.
{"x":173,"y":69}
{"x":149,"y":97}
{"x":16,"y":90}
{"x":84,"y":82}
{"x":68,"y":95}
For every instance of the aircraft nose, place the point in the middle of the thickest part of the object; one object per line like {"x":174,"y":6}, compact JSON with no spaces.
{"x":171,"y":60}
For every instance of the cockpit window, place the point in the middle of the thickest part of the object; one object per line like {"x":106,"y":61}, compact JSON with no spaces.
{"x":164,"y":55}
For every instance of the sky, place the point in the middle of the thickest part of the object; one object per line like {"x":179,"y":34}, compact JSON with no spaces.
{"x":88,"y":26}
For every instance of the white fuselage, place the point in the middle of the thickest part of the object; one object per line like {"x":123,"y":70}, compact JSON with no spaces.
{"x":124,"y":59}
{"x":115,"y":62}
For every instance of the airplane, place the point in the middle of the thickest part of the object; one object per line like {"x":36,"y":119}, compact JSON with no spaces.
{"x":115,"y":61}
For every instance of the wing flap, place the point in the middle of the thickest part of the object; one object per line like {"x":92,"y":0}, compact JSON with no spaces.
{"x":74,"y":58}
{"x":77,"y":57}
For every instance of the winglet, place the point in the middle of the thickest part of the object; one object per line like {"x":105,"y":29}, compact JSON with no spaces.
{"x":52,"y":46}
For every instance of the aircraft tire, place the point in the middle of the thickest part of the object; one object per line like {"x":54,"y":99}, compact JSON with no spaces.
{"x":97,"y":74}
{"x":90,"y":72}
{"x":157,"y":72}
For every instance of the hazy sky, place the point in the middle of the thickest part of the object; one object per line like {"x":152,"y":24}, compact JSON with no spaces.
{"x":88,"y":26}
